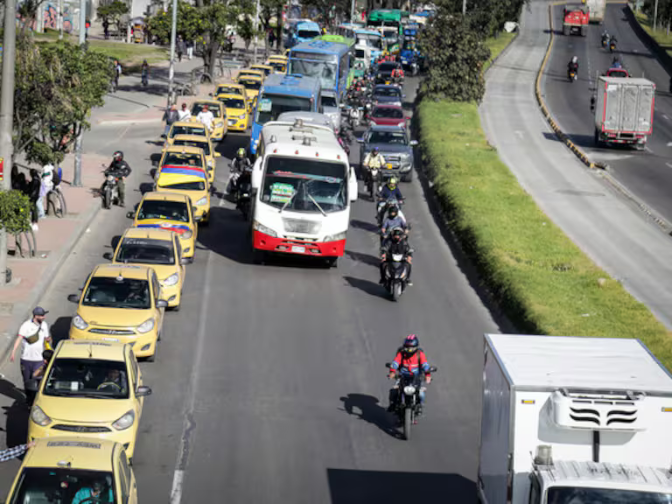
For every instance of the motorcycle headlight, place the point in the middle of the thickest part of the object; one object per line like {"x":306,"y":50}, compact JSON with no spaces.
{"x":202,"y":201}
{"x":335,"y":237}
{"x":187,"y":234}
{"x":39,"y":417}
{"x":409,"y":390}
{"x":264,"y":229}
{"x":171,"y":280}
{"x":146,"y":326}
{"x":125,"y":421}
{"x":79,"y":323}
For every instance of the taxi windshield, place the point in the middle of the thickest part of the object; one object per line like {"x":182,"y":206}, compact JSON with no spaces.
{"x":229,"y":90}
{"x":193,"y":143}
{"x":145,"y":251}
{"x":179,"y":159}
{"x":118,"y":292}
{"x":50,"y":484}
{"x":387,"y":91}
{"x":185,"y":186}
{"x":169,"y":210}
{"x":234,"y":103}
{"x":196,"y":129}
{"x":198,"y":107}
{"x":87,"y":378}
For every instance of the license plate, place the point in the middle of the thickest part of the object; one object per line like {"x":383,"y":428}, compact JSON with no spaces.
{"x":300,"y":250}
{"x":115,"y":340}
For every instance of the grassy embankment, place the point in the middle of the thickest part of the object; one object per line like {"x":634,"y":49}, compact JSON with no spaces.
{"x":660,"y":35}
{"x":542,"y":280}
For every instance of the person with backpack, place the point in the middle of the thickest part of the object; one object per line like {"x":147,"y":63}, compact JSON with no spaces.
{"x":33,"y":338}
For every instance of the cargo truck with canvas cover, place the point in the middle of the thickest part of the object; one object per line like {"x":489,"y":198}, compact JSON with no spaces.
{"x":596,"y":9}
{"x":624,"y":110}
{"x":573,"y":420}
{"x":303,"y":185}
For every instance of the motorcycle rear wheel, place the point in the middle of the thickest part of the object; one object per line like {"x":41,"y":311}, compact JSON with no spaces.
{"x":107,"y":199}
{"x":408,"y":421}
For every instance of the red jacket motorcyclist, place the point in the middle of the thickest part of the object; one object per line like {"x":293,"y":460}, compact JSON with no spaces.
{"x":410,"y":359}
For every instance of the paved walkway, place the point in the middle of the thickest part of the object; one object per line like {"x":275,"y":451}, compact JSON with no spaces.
{"x":56,"y":238}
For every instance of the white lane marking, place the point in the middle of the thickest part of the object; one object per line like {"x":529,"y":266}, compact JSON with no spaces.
{"x":669,"y":165}
{"x":520,"y":134}
{"x":176,"y":492}
{"x":665,"y":117}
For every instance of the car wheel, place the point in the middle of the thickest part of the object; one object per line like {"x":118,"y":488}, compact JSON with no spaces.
{"x":408,"y":177}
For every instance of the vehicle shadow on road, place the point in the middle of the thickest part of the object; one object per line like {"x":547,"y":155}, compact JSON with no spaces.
{"x":366,"y":226}
{"x":367,"y":408}
{"x":363,"y":258}
{"x":371,"y":288}
{"x":60,"y":330}
{"x":226,"y":235}
{"x":16,"y":427}
{"x":349,"y":486}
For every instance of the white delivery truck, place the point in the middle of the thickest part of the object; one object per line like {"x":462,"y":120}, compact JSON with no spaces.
{"x":572,"y":420}
{"x":624,"y":110}
{"x":596,"y":9}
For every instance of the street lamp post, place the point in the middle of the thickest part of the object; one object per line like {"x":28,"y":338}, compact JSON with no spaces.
{"x":171,"y":71}
{"x":77,"y":178}
{"x":7,"y":116}
{"x":256,"y":30}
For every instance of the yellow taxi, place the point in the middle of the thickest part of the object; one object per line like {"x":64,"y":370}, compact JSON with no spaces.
{"x":121,"y":303}
{"x":252,"y":87}
{"x":160,"y":249}
{"x":186,"y":128}
{"x":267,"y":69}
{"x":92,"y":389}
{"x":230,"y":88}
{"x":219,"y":127}
{"x":209,"y":153}
{"x":170,"y":211}
{"x":182,"y":155}
{"x":236,"y":111}
{"x":249,"y":72}
{"x":190,"y":181}
{"x":278,"y":62}
{"x":70,"y":469}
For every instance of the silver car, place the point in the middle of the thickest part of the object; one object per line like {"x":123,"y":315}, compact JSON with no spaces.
{"x":395,"y":146}
{"x":331,"y":108}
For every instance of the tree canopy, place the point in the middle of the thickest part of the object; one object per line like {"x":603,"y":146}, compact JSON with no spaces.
{"x":113,"y":12}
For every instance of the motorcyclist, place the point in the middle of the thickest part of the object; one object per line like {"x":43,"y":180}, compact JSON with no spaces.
{"x":397,"y":73}
{"x":410,"y":359}
{"x":373,"y":159}
{"x":392,"y":221}
{"x":120,"y":170}
{"x":616,"y":63}
{"x":390,"y":191}
{"x":396,"y":243}
{"x":612,"y":41}
{"x":573,"y":66}
{"x":605,"y":38}
{"x":240,"y":164}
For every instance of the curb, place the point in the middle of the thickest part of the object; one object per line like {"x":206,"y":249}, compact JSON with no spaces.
{"x":47,"y":279}
{"x":583,"y":157}
{"x":127,"y":121}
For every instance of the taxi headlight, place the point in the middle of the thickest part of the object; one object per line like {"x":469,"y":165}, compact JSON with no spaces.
{"x":202,"y":201}
{"x":171,"y":280}
{"x":335,"y":237}
{"x":146,"y":326}
{"x":79,"y":323}
{"x":125,"y":421}
{"x":187,"y":234}
{"x":219,"y":124}
{"x":264,"y":229}
{"x":241,"y":117}
{"x":39,"y":417}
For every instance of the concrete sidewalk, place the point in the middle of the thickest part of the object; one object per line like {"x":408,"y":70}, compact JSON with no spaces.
{"x":56,"y":238}
{"x":604,"y":224}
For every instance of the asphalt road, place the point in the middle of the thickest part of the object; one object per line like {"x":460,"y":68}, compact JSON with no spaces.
{"x":646,"y":174}
{"x":269,"y":384}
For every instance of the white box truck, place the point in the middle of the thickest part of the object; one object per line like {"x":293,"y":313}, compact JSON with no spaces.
{"x":624,"y":110}
{"x":596,"y":9}
{"x":573,"y":420}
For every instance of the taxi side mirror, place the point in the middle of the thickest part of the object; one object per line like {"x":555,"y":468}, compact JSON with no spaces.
{"x":143,"y":391}
{"x":193,"y":210}
{"x":108,"y":256}
{"x":73,"y":298}
{"x":130,"y":215}
{"x":162,"y":303}
{"x":185,"y":260}
{"x":217,"y":154}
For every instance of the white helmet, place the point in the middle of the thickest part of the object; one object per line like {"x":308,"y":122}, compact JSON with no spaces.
{"x":575,"y":59}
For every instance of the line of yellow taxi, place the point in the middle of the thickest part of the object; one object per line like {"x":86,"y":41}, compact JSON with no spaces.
{"x":86,"y":414}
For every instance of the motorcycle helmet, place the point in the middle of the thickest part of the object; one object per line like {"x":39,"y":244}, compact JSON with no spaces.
{"x":575,"y":59}
{"x":397,"y":234}
{"x":411,"y":344}
{"x":240,"y":153}
{"x":392,"y":183}
{"x":393,"y":211}
{"x":118,"y":156}
{"x":375,"y":151}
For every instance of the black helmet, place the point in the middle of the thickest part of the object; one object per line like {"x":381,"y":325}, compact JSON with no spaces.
{"x":393,"y":211}
{"x":375,"y":151}
{"x":411,"y":344}
{"x":118,"y":156}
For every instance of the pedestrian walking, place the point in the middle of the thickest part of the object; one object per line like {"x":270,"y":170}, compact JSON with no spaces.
{"x":33,"y":189}
{"x":117,"y":73}
{"x":15,"y":451}
{"x":180,"y":48}
{"x":145,"y":73}
{"x":33,"y":337}
{"x":46,"y":185}
{"x":170,"y":117}
{"x":271,"y":38}
{"x":184,"y":114}
{"x":190,"y":49}
{"x":106,"y":28}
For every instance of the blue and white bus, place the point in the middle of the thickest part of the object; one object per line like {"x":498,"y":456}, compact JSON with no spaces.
{"x":302,"y":31}
{"x":348,"y":29}
{"x":330,"y":62}
{"x":372,"y":39}
{"x":283,"y":93}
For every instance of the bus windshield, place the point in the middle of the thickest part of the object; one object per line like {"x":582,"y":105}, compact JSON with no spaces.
{"x":307,"y":34}
{"x":304,"y":185}
{"x":271,"y":106}
{"x":373,"y":41}
{"x":577,"y":495}
{"x":326,"y":72}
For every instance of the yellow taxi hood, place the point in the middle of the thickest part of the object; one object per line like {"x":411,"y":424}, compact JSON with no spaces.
{"x":83,"y":410}
{"x":113,"y":317}
{"x":163,"y":271}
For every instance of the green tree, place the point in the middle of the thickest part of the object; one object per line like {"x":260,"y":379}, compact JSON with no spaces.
{"x":14,"y":212}
{"x":455,"y":56}
{"x":27,"y":11}
{"x":113,"y":12}
{"x":270,"y":17}
{"x":57,"y":85}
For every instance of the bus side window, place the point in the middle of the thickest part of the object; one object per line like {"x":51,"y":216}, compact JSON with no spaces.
{"x":344,"y":67}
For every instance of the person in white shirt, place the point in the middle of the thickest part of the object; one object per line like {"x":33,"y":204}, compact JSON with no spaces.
{"x":184,"y":114}
{"x":206,"y":117}
{"x":33,"y":335}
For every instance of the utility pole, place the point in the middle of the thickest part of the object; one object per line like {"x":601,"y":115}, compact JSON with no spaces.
{"x":77,"y":178}
{"x":464,"y":7}
{"x":60,"y":19}
{"x":352,"y":11}
{"x":171,"y":70}
{"x":7,"y":116}
{"x":256,"y":30}
{"x":655,"y":15}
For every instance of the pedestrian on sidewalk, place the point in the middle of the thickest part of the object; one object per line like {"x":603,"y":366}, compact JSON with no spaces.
{"x":33,"y":337}
{"x":145,"y":73}
{"x":271,"y":38}
{"x":46,"y":185}
{"x":33,"y":192}
{"x":180,"y":48}
{"x":170,"y":117}
{"x":184,"y":114}
{"x":106,"y":28}
{"x":117,"y":73}
{"x":190,"y":49}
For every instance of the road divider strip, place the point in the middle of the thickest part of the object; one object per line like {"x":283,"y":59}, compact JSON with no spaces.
{"x":583,"y":157}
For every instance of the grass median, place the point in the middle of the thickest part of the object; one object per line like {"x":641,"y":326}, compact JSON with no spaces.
{"x":661,"y":35}
{"x":541,"y":279}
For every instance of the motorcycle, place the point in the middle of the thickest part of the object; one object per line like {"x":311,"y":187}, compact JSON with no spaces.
{"x":571,"y":75}
{"x":372,"y":182}
{"x":605,"y":41}
{"x":353,"y":117}
{"x":244,"y":195}
{"x":407,"y":405}
{"x":110,"y":191}
{"x":395,"y":279}
{"x":384,"y":206}
{"x":612,"y":46}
